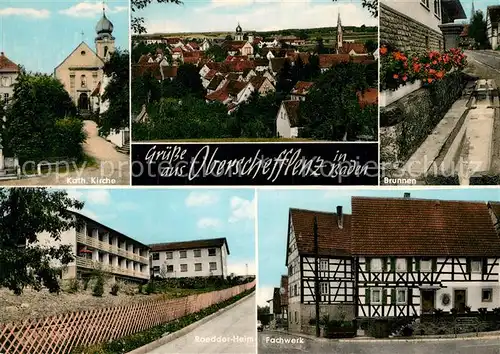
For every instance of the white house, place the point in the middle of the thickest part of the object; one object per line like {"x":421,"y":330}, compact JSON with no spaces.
{"x":197,"y":258}
{"x":415,"y":255}
{"x":9,"y":72}
{"x":493,"y":24}
{"x":205,"y":45}
{"x":335,"y":271}
{"x":287,"y":120}
{"x":95,"y":245}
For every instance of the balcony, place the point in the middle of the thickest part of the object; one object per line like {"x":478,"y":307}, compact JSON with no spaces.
{"x":89,"y":264}
{"x":104,"y":246}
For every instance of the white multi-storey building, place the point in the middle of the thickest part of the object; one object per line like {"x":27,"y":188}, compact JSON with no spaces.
{"x":197,"y":258}
{"x":8,"y":76}
{"x":98,"y":246}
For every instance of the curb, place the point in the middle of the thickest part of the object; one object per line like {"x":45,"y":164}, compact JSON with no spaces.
{"x":443,"y":338}
{"x":183,"y":331}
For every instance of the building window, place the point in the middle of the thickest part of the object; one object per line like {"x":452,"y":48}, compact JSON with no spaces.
{"x":376,"y":265}
{"x":323,"y":288}
{"x":83,"y":81}
{"x":83,"y":52}
{"x":170,"y":268}
{"x":401,"y":296}
{"x":6,"y":97}
{"x":156,"y":256}
{"x":487,"y":295}
{"x":197,"y":253}
{"x":72,"y":81}
{"x":475,"y":266}
{"x":295,"y":293}
{"x":323,"y":264}
{"x":183,"y":254}
{"x":184,"y":267}
{"x":425,"y":3}
{"x":425,"y":265}
{"x":156,"y":268}
{"x":437,"y":8}
{"x":376,"y":295}
{"x":197,"y":267}
{"x":213,"y":266}
{"x":400,"y":265}
{"x":290,"y":269}
{"x":211,"y":252}
{"x":169,"y":255}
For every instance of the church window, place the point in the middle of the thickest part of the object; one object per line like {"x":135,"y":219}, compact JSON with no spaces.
{"x":72,"y":81}
{"x":83,"y":80}
{"x":83,"y":52}
{"x":105,"y":51}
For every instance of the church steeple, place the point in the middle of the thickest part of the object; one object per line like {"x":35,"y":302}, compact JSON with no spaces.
{"x":104,"y":42}
{"x":340,"y":37}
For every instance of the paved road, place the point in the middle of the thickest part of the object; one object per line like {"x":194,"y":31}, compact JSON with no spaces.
{"x":231,"y":332}
{"x":454,"y":346}
{"x":113,"y":168}
{"x":486,"y":65}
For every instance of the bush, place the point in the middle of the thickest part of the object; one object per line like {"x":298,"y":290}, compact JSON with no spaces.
{"x":98,"y":288}
{"x":407,"y":331}
{"x":139,"y":288}
{"x":150,"y":287}
{"x":114,"y":289}
{"x":68,"y":138}
{"x":312,"y":322}
{"x":73,"y":286}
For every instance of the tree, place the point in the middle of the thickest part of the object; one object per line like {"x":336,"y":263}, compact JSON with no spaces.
{"x":216,"y":53}
{"x":320,"y":46}
{"x":137,"y":23}
{"x":24,"y":214}
{"x":371,"y":46}
{"x":332,"y":111}
{"x":145,"y":89}
{"x":256,"y":118}
{"x":188,"y":81}
{"x":116,"y":93}
{"x":31,"y":131}
{"x":229,"y":37}
{"x":478,"y":31}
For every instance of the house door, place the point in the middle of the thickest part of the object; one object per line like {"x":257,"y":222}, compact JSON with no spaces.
{"x":83,"y":101}
{"x":460,"y":303}
{"x":428,"y":300}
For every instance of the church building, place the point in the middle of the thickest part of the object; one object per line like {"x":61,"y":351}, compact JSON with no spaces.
{"x":82,"y":73}
{"x":348,"y":47}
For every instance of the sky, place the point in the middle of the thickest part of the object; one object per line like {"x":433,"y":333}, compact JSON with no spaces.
{"x":39,"y":35}
{"x":478,"y":5}
{"x":255,"y":15}
{"x":273,"y":206}
{"x":161,"y":215}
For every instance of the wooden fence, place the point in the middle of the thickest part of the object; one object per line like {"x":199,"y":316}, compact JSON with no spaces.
{"x":61,"y":333}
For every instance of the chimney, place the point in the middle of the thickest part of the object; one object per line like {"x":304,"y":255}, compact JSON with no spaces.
{"x":340,"y":217}
{"x":407,"y":195}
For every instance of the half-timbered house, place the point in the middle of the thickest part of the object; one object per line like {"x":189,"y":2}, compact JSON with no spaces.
{"x":413,"y":256}
{"x":335,"y":272}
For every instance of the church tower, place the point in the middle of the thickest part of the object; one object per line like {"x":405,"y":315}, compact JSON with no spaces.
{"x":104,"y":42}
{"x":340,"y":37}
{"x":239,"y":33}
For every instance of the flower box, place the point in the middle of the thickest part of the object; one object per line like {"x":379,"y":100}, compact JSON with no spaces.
{"x":387,"y":97}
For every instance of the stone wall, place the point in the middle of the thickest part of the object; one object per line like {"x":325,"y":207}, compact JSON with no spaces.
{"x":406,"y":123}
{"x":405,"y":33}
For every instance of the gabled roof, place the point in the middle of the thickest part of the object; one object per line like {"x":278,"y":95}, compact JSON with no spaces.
{"x":215,"y":82}
{"x":87,"y":47}
{"x":7,"y":65}
{"x":302,"y":87}
{"x":186,"y":245}
{"x":169,"y":71}
{"x":346,"y":48}
{"x":257,"y":81}
{"x":292,"y":111}
{"x":235,"y":87}
{"x":329,"y":60}
{"x":277,"y":64}
{"x":422,"y":227}
{"x":332,"y":240}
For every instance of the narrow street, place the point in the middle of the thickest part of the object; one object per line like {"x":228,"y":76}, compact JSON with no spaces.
{"x":453,"y":346}
{"x":231,"y":332}
{"x":466,"y":142}
{"x":113,"y":168}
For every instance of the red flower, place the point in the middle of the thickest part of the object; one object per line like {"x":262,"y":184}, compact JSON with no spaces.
{"x":405,"y":78}
{"x":383,"y":50}
{"x":395,"y":76}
